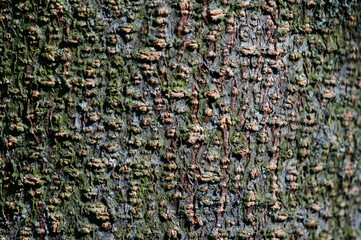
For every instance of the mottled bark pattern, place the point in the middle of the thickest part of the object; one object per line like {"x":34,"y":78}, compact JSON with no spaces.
{"x":180,"y":119}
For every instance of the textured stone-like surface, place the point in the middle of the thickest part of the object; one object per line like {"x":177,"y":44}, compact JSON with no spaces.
{"x":180,"y":119}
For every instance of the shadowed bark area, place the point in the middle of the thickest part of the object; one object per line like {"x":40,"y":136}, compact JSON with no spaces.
{"x":180,"y":119}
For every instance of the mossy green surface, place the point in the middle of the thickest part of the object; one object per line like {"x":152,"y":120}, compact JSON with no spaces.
{"x":180,"y":119}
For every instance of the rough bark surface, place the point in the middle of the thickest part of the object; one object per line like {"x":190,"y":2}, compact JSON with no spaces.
{"x":180,"y":119}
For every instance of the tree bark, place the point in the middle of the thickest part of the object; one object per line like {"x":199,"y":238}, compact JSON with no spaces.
{"x":181,"y":119}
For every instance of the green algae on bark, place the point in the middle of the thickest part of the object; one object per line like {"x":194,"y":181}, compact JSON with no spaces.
{"x":180,"y":119}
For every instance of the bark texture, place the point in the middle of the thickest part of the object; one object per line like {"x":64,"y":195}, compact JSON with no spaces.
{"x":180,"y":119}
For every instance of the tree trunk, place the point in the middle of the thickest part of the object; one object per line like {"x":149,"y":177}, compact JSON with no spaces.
{"x":181,"y":119}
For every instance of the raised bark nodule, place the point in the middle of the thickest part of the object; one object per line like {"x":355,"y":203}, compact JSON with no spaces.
{"x":180,"y":119}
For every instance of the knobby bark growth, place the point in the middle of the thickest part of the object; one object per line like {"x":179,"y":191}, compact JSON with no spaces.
{"x":180,"y":119}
